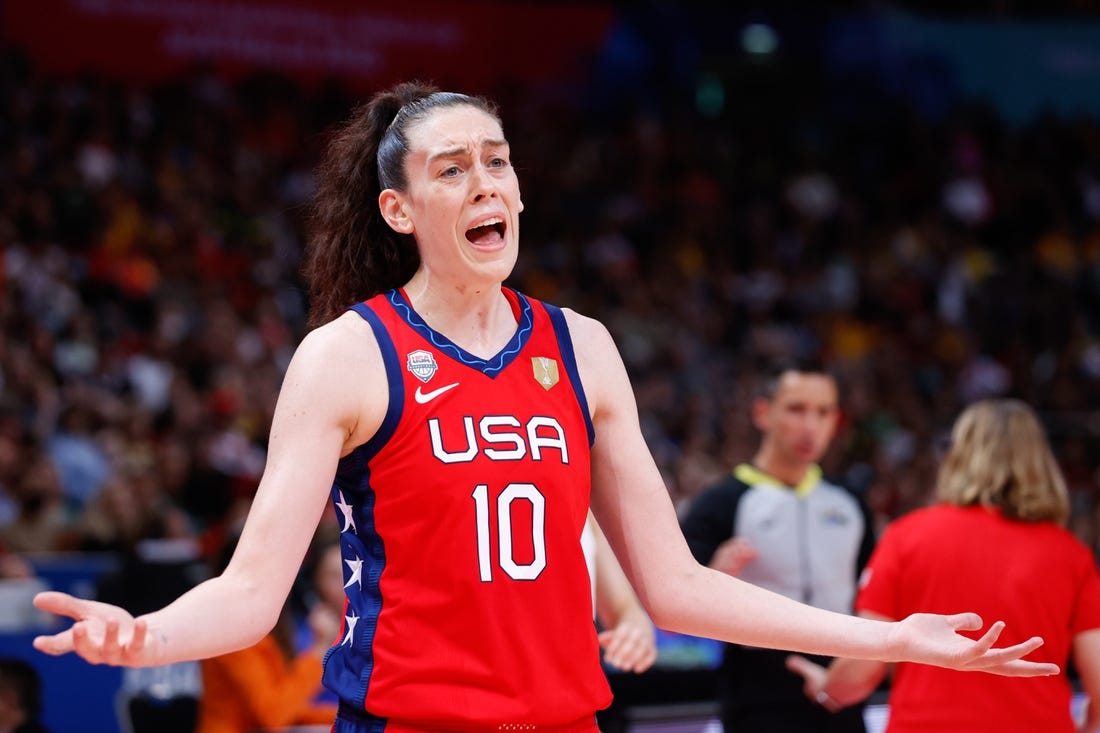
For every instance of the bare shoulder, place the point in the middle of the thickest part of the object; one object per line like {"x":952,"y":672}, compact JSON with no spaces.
{"x":339,"y":365}
{"x":599,"y":363}
{"x":344,"y":342}
{"x":588,"y":334}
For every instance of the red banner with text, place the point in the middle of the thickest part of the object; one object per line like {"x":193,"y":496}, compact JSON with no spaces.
{"x":472,"y":44}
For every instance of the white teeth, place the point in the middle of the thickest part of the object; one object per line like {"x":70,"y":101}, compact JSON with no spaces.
{"x":488,"y":222}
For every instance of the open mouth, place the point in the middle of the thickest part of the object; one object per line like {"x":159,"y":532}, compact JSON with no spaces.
{"x":488,"y":232}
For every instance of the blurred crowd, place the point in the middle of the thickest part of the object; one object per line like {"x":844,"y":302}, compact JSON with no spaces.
{"x":150,"y":295}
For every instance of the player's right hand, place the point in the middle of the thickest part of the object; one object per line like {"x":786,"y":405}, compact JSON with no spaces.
{"x":101,"y":634}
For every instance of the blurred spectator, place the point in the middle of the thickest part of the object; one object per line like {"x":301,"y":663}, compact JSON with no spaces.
{"x":19,"y":583}
{"x":150,"y":245}
{"x":14,"y":567}
{"x":159,"y":562}
{"x":43,"y":520}
{"x":277,"y":682}
{"x":81,"y":462}
{"x":20,"y":697}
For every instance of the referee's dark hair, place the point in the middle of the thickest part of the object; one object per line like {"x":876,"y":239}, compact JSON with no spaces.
{"x":772,"y":370}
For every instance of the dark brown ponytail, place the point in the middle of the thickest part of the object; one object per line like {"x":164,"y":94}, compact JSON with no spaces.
{"x":352,"y":252}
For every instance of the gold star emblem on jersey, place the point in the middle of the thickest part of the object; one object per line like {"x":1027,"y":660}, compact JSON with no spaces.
{"x":545,"y":370}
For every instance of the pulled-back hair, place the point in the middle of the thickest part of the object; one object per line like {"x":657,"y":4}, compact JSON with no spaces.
{"x":1000,"y":457}
{"x":352,"y":253}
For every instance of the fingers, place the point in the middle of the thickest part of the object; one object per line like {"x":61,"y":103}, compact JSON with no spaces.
{"x":822,"y":698}
{"x":627,"y":650}
{"x":733,"y":555}
{"x":61,"y":604}
{"x":110,"y":650}
{"x":969,"y":622}
{"x":56,"y":644}
{"x":814,"y":676}
{"x":964,"y":653}
{"x":636,"y":660}
{"x":137,"y":639}
{"x":802,"y":666}
{"x":1008,"y":660}
{"x":1008,"y":653}
{"x":991,"y":658}
{"x":989,"y":637}
{"x":812,"y":673}
{"x":100,"y":641}
{"x":975,"y":655}
{"x":83,"y":644}
{"x":617,"y":649}
{"x":74,"y":639}
{"x":1022,"y":668}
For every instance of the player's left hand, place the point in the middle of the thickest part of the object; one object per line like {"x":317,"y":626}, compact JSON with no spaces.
{"x":934,"y":639}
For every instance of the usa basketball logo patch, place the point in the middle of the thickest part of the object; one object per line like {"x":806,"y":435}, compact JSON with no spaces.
{"x":545,"y":370}
{"x":422,"y":364}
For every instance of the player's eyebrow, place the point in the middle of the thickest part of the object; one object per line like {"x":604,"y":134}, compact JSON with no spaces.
{"x":458,"y":150}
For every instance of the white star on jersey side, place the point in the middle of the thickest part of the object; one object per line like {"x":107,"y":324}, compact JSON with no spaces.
{"x":356,"y":566}
{"x":346,"y":509}
{"x":350,"y":621}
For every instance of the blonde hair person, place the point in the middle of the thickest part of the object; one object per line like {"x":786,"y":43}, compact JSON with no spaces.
{"x":999,"y":457}
{"x":995,"y":538}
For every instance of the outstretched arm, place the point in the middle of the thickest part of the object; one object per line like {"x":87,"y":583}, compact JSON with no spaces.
{"x":316,"y":420}
{"x":634,"y":509}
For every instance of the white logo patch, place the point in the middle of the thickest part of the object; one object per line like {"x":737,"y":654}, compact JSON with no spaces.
{"x":422,"y":364}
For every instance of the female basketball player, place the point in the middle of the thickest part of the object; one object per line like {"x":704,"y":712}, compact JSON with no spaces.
{"x":458,"y":427}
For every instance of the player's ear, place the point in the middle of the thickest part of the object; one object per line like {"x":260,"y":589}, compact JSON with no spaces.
{"x":394,"y":211}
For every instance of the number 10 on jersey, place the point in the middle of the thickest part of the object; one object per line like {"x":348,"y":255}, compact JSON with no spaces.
{"x":505,"y":546}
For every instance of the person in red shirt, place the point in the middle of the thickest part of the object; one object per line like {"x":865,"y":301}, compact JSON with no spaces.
{"x":460,"y":431}
{"x":996,"y":540}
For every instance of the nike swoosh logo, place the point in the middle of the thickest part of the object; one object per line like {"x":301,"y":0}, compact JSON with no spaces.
{"x":424,"y":398}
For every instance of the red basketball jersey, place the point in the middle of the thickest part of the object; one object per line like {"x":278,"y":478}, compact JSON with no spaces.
{"x":468,"y":595}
